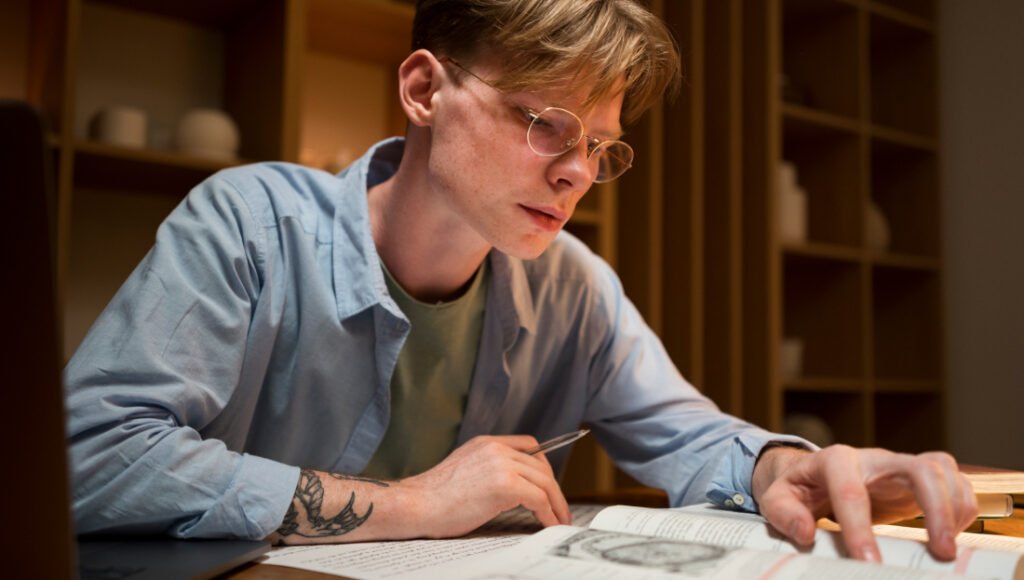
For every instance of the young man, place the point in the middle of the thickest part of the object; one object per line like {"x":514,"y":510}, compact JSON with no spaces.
{"x":369,"y":355}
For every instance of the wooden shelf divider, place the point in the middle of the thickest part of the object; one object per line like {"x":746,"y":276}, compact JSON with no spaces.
{"x":822,"y":118}
{"x":824,"y":385}
{"x":904,"y":138}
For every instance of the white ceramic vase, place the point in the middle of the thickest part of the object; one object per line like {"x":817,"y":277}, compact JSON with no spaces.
{"x":121,"y":126}
{"x":792,"y":206}
{"x":791,"y":358}
{"x":878,"y":233}
{"x":810,"y":427}
{"x":208,"y":133}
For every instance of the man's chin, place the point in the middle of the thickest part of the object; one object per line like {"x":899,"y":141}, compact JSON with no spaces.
{"x":527,"y":249}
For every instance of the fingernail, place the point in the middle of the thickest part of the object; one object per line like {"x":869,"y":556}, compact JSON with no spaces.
{"x":870,"y":554}
{"x":794,"y":532}
{"x":949,"y":541}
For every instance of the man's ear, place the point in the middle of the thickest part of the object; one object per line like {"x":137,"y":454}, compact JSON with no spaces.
{"x":419,"y":78}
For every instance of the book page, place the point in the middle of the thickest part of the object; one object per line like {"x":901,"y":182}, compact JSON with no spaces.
{"x":984,"y":541}
{"x":564,"y":552}
{"x":391,"y":559}
{"x":731,"y":529}
{"x":994,"y":480}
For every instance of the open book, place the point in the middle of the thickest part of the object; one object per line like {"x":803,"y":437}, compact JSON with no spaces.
{"x":632,"y":542}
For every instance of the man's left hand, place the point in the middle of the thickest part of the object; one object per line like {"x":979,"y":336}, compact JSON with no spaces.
{"x":862,"y":487}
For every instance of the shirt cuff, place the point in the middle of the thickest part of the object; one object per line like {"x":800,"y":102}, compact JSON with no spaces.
{"x":254,"y":504}
{"x":731,"y":486}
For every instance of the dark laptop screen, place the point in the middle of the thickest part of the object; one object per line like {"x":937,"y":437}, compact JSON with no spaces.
{"x":37,"y":530}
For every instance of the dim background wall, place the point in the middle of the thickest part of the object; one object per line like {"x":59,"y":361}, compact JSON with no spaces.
{"x":983,"y":182}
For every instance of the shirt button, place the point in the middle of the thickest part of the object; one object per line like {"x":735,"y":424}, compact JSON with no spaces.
{"x":738,"y":499}
{"x":728,"y":503}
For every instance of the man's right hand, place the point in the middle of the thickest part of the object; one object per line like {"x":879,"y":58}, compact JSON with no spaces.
{"x":483,"y":478}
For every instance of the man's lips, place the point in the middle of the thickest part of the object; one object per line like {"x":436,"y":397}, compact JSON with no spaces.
{"x":552,"y":212}
{"x":546,"y":218}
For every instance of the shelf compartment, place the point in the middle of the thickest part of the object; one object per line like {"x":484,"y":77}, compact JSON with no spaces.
{"x":328,"y":103}
{"x":843,"y":413}
{"x":99,"y":166}
{"x":907,"y":328}
{"x":903,"y":77}
{"x":823,"y":306}
{"x":904,"y":139}
{"x":373,"y":30}
{"x":828,"y":163}
{"x":168,"y":58}
{"x":824,"y":385}
{"x":920,"y":12}
{"x":820,"y":59}
{"x":908,"y":386}
{"x":824,"y":251}
{"x":823,"y":118}
{"x":907,"y":261}
{"x":905,"y":185}
{"x":909,"y":422}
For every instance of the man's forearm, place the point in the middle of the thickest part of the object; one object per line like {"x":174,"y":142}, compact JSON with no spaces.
{"x":331,"y":507}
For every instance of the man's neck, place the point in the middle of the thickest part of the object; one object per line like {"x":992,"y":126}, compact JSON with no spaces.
{"x":428,"y":251}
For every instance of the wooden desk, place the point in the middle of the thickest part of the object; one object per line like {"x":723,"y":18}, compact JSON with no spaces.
{"x":1012,"y":526}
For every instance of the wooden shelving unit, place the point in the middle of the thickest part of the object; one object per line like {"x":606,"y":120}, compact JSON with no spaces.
{"x":857,"y":116}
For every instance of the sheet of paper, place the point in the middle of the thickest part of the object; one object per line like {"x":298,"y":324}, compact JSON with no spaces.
{"x":416,"y":557}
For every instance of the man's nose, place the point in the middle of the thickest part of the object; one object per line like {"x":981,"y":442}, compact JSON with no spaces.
{"x":573,"y":170}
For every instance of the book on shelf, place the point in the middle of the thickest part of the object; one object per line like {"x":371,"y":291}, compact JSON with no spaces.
{"x":994,"y":479}
{"x":994,"y":505}
{"x":634,"y":542}
{"x":989,"y":480}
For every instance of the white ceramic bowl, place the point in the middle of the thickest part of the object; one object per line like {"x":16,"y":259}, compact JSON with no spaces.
{"x":208,"y":133}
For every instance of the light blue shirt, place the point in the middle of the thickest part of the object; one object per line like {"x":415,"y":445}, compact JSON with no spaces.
{"x":258,"y":337}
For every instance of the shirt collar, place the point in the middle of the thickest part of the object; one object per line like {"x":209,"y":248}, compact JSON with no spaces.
{"x":358,"y":280}
{"x":510,"y":285}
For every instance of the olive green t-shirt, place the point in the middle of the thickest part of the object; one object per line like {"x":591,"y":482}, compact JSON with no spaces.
{"x":431,"y":379}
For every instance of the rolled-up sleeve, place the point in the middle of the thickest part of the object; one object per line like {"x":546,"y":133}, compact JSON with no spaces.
{"x":655,"y":424}
{"x":159,"y":364}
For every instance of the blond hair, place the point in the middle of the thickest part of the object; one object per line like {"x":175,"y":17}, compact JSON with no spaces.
{"x":611,"y":45}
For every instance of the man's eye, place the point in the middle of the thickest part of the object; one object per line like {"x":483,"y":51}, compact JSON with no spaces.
{"x":542,"y":122}
{"x":526,"y":115}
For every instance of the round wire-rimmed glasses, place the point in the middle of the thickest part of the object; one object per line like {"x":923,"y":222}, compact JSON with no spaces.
{"x":554,"y":131}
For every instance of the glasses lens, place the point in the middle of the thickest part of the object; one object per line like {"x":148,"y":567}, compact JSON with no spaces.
{"x":553,"y":132}
{"x":613,"y":158}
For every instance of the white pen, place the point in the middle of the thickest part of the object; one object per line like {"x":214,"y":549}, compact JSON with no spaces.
{"x":560,"y":441}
